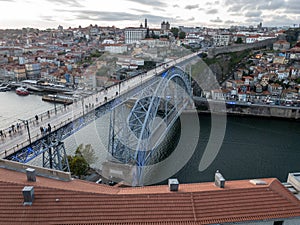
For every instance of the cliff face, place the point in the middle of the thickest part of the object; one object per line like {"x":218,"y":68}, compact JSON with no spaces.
{"x":224,"y":64}
{"x":221,"y":67}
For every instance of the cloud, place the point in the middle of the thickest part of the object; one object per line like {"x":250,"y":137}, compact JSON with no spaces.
{"x":139,"y":10}
{"x":218,"y":20}
{"x":112,"y":16}
{"x":213,"y":3}
{"x":230,"y":22}
{"x":255,"y":20}
{"x":212,"y":11}
{"x":189,"y":7}
{"x":150,"y":2}
{"x":276,"y":20}
{"x":191,"y":19}
{"x":175,"y":6}
{"x":242,"y":6}
{"x":253,"y":14}
{"x":234,"y":8}
{"x":47,"y":18}
{"x":158,"y":9}
{"x":71,"y":3}
{"x":294,"y":7}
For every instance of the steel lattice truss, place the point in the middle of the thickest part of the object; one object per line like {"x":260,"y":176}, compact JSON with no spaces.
{"x":56,"y":158}
{"x":53,"y":141}
{"x":162,"y":96}
{"x":139,"y":126}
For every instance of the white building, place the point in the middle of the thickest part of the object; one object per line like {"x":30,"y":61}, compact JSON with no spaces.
{"x":129,"y":62}
{"x":193,"y":38}
{"x":133,"y":34}
{"x":155,"y":43}
{"x":252,"y":39}
{"x":115,"y":48}
{"x":221,"y":40}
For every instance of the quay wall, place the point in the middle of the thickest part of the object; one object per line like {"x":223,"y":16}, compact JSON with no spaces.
{"x":212,"y":52}
{"x":252,"y":110}
{"x":264,"y":111}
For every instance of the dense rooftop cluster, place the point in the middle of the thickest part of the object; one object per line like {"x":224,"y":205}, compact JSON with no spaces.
{"x":69,"y":55}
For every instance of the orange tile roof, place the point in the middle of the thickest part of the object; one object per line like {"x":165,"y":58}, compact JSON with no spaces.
{"x":80,"y":202}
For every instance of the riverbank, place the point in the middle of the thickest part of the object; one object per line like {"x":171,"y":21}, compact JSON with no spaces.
{"x":245,"y":115}
{"x":254,"y":110}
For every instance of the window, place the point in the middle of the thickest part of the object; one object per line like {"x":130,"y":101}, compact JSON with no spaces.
{"x":278,"y":222}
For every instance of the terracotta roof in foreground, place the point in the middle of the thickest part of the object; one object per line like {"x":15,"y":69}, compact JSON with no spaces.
{"x":80,"y":202}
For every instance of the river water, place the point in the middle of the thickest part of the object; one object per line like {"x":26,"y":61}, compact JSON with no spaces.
{"x":253,"y":147}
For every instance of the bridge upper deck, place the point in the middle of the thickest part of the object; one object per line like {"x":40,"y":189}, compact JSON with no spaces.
{"x":29,"y":131}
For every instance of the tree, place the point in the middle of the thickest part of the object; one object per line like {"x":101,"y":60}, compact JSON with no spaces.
{"x":239,"y":40}
{"x":175,"y":31}
{"x":79,"y":164}
{"x":182,"y":35}
{"x":87,"y":153}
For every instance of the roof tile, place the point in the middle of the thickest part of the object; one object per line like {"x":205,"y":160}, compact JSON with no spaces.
{"x":80,"y":202}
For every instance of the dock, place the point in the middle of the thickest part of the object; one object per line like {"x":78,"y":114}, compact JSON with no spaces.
{"x":60,"y":99}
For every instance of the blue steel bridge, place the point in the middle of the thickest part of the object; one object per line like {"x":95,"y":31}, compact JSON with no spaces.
{"x":142,"y":111}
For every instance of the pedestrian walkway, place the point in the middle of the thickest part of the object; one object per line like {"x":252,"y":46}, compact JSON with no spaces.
{"x":24,"y":132}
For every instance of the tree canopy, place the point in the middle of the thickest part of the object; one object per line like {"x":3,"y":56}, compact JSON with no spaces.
{"x":181,"y":35}
{"x":177,"y":33}
{"x":80,"y":162}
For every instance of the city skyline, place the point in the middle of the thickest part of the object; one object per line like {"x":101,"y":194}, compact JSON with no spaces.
{"x":124,"y":13}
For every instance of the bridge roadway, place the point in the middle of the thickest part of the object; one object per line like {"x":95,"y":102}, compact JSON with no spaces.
{"x":12,"y":141}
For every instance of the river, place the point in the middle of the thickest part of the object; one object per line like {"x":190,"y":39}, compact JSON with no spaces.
{"x":253,"y":147}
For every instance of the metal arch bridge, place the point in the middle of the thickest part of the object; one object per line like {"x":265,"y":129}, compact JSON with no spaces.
{"x":131,"y":139}
{"x":132,"y":132}
{"x":137,"y":131}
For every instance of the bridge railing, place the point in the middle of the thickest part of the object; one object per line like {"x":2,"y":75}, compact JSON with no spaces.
{"x":55,"y":126}
{"x":120,"y":89}
{"x":37,"y":136}
{"x":9,"y":131}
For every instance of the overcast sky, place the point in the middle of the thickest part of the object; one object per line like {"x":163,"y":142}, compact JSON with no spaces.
{"x":123,"y":13}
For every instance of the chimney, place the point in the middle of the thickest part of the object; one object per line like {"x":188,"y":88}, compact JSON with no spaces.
{"x":219,"y":180}
{"x":30,"y":173}
{"x":28,"y":194}
{"x":173,"y":184}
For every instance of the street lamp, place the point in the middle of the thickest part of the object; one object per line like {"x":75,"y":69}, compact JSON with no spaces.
{"x":82,"y":105}
{"x":54,"y":98}
{"x":27,"y":126}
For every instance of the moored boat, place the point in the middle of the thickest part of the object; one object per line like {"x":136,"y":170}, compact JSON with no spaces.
{"x":22,"y":91}
{"x":61,"y":99}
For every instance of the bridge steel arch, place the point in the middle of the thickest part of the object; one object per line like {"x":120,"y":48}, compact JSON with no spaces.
{"x":155,"y":90}
{"x":137,"y":131}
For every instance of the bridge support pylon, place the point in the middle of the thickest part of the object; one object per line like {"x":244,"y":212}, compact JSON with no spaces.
{"x":56,"y":158}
